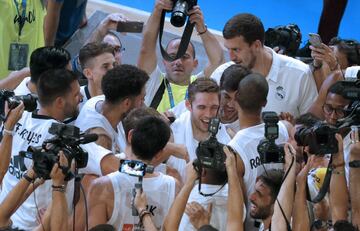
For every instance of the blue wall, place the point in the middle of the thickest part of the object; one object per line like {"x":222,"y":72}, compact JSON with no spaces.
{"x":306,"y":14}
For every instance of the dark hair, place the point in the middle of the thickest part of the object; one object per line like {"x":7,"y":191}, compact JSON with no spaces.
{"x":201,"y":85}
{"x":92,"y":50}
{"x":343,"y":225}
{"x":308,"y":120}
{"x":103,"y":227}
{"x":247,"y":25}
{"x":350,"y":47}
{"x":45,"y":58}
{"x":273,"y":179}
{"x":149,"y":137}
{"x":123,"y":81}
{"x":135,"y":115}
{"x":336,"y":88}
{"x":54,"y":83}
{"x":232,"y":76}
{"x":252,"y":93}
{"x":178,"y":38}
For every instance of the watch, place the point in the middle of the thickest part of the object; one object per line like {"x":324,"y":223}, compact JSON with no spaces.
{"x":354,"y":164}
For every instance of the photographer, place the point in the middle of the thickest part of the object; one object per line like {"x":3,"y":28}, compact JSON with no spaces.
{"x":105,"y":207}
{"x":235,"y":203}
{"x":178,"y":72}
{"x":250,"y":99}
{"x":59,"y":95}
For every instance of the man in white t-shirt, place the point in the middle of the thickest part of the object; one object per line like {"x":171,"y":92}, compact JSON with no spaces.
{"x":59,"y":96}
{"x":192,"y":126}
{"x":291,"y":85}
{"x":95,"y":60}
{"x":229,"y":83}
{"x":172,"y":85}
{"x":41,"y":60}
{"x":110,"y":196}
{"x":124,"y":89}
{"x":251,"y":98}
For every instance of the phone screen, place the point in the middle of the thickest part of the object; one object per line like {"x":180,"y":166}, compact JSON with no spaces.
{"x":315,"y":39}
{"x":130,"y":26}
{"x":132,"y":168}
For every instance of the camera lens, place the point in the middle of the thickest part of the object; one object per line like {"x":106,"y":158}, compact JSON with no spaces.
{"x":178,"y":15}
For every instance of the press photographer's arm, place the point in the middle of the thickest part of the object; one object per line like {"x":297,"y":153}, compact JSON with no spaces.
{"x":6,"y":143}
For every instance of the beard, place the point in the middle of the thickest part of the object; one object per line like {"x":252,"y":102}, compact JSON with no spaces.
{"x":261,"y":212}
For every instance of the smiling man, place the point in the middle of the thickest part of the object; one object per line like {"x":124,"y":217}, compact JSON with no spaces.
{"x":192,"y":126}
{"x":263,"y":198}
{"x":291,"y":85}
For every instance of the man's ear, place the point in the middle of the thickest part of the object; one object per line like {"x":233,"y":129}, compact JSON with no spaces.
{"x":188,"y":105}
{"x":129,"y":136}
{"x":87,"y":73}
{"x":196,"y":63}
{"x":126,"y":103}
{"x":60,"y":102}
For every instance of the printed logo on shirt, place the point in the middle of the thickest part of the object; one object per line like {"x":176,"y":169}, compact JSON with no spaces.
{"x":30,"y":17}
{"x":17,"y":166}
{"x":254,"y":163}
{"x":280,"y":93}
{"x":32,"y":138}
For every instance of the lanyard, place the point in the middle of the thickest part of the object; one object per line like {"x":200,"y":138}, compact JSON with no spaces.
{"x":170,"y":94}
{"x":22,"y":18}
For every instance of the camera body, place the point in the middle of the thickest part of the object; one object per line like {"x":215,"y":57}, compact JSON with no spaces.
{"x":135,"y":168}
{"x":67,"y":138}
{"x":29,"y":100}
{"x":287,"y":38}
{"x":180,"y":11}
{"x":210,"y":153}
{"x":268,"y":150}
{"x":320,"y":138}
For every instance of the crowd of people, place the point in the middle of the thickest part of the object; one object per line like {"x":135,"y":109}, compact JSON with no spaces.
{"x":160,"y":160}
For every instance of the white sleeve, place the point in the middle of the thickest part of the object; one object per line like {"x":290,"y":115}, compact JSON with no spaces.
{"x":216,"y":75}
{"x":152,"y":85}
{"x":308,"y":92}
{"x":95,"y":154}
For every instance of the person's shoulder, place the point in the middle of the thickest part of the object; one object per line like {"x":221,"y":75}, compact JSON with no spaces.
{"x":101,"y":187}
{"x":289,"y":63}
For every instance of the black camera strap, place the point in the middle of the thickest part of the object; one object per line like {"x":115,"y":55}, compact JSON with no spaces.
{"x":185,"y":39}
{"x":210,"y":194}
{"x":324,"y":188}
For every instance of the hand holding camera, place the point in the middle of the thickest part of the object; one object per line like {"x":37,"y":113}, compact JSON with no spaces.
{"x":57,"y":173}
{"x":140,"y":201}
{"x":13,"y":117}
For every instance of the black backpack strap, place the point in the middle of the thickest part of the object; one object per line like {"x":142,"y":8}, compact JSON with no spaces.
{"x":158,"y":95}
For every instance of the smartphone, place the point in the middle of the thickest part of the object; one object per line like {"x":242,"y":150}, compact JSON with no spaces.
{"x":315,"y":39}
{"x":132,"y":168}
{"x":130,"y":26}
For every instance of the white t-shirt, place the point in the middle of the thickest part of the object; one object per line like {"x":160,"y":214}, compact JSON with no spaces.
{"x":183,"y":134}
{"x":89,"y":118}
{"x":219,"y":206}
{"x":245,"y":142}
{"x":292,"y":87}
{"x":30,"y":130}
{"x":160,"y":193}
{"x":347,"y":145}
{"x":84,"y":91}
{"x":22,"y":88}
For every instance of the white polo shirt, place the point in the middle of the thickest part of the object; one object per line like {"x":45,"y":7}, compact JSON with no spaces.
{"x":292,"y":87}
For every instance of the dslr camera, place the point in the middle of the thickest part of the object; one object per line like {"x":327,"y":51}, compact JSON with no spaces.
{"x":320,"y":138}
{"x":67,"y":139}
{"x":287,"y":38}
{"x":210,"y":153}
{"x":13,"y":101}
{"x":268,"y":150}
{"x":135,"y":168}
{"x":180,"y":11}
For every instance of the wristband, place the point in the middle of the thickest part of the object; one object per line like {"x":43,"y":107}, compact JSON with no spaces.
{"x":59,"y":190}
{"x":62,"y":187}
{"x":8,"y":132}
{"x":27,"y":178}
{"x":354,"y":164}
{"x":203,"y":32}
